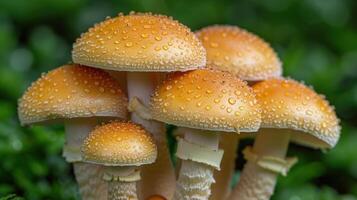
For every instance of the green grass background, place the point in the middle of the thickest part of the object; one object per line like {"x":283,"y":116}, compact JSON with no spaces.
{"x":316,"y":39}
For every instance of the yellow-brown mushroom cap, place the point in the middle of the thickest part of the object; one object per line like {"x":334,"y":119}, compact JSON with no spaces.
{"x":119,"y":144}
{"x":72,"y":91}
{"x":235,"y":50}
{"x":289,"y":104}
{"x":206,"y":99}
{"x":156,"y":197}
{"x":140,"y":42}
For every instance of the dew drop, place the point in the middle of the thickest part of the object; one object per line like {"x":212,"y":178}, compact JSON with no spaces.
{"x":213,"y":44}
{"x":309,"y":112}
{"x":231,"y":101}
{"x":324,"y":125}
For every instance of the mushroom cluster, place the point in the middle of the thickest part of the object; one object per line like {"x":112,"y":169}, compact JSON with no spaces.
{"x":132,"y":74}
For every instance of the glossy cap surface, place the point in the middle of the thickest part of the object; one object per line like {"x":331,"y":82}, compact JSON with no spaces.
{"x":140,"y":42}
{"x":119,"y":144}
{"x":206,"y":99}
{"x":72,"y":91}
{"x":237,"y":51}
{"x":288,"y":104}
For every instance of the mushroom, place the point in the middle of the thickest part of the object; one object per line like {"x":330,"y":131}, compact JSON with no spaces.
{"x":290,"y":112}
{"x":156,"y":197}
{"x":79,"y":97}
{"x":121,"y":148}
{"x":142,"y":44}
{"x":239,"y":52}
{"x":210,"y":100}
{"x":248,"y":57}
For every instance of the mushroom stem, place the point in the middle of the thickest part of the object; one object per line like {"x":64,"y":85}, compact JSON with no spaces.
{"x":121,"y":182}
{"x":221,"y":188}
{"x":195,"y":178}
{"x":120,"y":190}
{"x":88,"y":176}
{"x":159,"y":177}
{"x":255,"y":181}
{"x":76,"y":130}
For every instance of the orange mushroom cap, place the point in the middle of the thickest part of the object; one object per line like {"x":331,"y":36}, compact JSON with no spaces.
{"x":156,"y":197}
{"x":72,"y":91}
{"x":119,"y":144}
{"x":206,"y":99}
{"x":140,"y":42}
{"x":237,"y":51}
{"x":288,"y":104}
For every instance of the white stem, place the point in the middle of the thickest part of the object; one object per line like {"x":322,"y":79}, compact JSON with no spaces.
{"x":256,"y":182}
{"x":88,"y":176}
{"x":221,"y":188}
{"x":76,"y":130}
{"x":89,"y":179}
{"x":119,"y":189}
{"x":159,"y":177}
{"x":195,"y":179}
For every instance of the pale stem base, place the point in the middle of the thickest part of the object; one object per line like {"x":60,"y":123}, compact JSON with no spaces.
{"x":89,"y":179}
{"x":88,"y":176}
{"x":256,"y":182}
{"x":221,"y":188}
{"x":159,"y":177}
{"x":195,"y":179}
{"x":121,"y":190}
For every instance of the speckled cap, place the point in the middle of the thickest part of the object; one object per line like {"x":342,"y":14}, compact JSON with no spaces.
{"x":237,"y":51}
{"x":119,"y":144}
{"x":140,"y":42}
{"x":156,"y":197}
{"x":72,"y":91}
{"x":206,"y":99}
{"x":289,"y":104}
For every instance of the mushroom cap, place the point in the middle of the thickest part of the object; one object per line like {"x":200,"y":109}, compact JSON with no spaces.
{"x":140,"y":42}
{"x":288,"y":104}
{"x":206,"y":99}
{"x":72,"y":91}
{"x":119,"y":144}
{"x":235,"y":50}
{"x":156,"y":197}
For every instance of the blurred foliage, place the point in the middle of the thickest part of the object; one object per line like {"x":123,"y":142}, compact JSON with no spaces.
{"x":316,"y":39}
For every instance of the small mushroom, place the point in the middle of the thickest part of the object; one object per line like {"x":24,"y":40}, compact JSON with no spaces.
{"x":290,"y":112}
{"x":121,"y":148}
{"x":143,"y":44}
{"x":156,"y":197}
{"x":79,"y":97}
{"x":248,"y":57}
{"x":209,"y":100}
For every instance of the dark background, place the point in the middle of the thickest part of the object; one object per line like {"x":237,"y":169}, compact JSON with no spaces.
{"x":316,"y":39}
